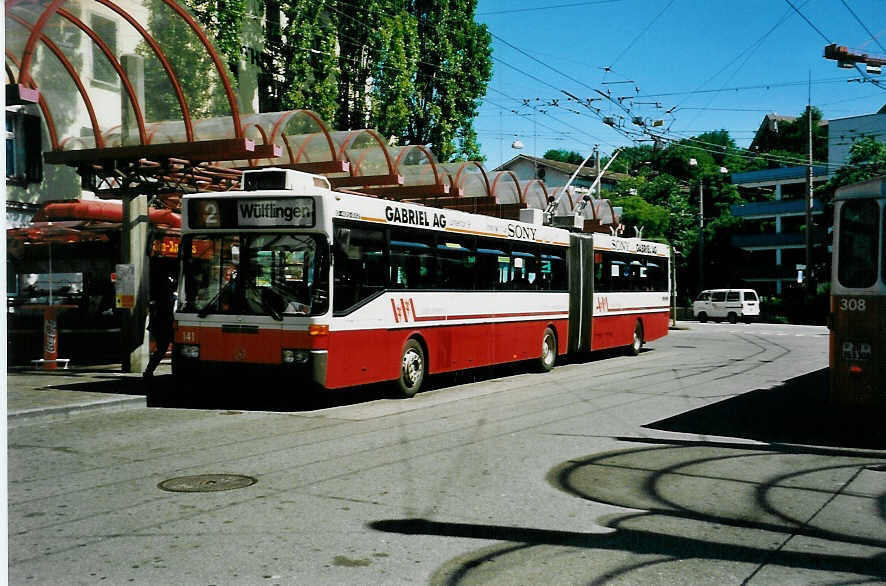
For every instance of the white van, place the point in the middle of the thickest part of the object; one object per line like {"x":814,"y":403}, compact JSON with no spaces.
{"x":731,"y":304}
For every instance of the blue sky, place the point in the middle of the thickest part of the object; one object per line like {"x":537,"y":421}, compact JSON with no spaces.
{"x":714,"y":64}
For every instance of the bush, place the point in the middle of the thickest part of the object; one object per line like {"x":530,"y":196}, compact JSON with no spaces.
{"x":795,"y":306}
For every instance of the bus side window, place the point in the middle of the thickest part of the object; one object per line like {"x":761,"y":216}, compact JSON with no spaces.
{"x":456,"y":262}
{"x":487,"y":273}
{"x":358,"y":265}
{"x":412,"y":264}
{"x":559,"y":273}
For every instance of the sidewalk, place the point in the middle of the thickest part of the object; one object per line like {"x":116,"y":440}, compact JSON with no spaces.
{"x":33,"y":394}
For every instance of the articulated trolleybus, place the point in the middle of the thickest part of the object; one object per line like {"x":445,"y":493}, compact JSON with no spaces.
{"x":858,"y":296}
{"x":291,"y":278}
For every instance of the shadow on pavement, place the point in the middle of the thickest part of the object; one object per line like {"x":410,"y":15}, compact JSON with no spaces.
{"x":701,"y":512}
{"x":253,"y":394}
{"x":797,"y":411}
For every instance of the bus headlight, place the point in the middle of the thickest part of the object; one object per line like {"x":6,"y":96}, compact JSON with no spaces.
{"x":295,"y":356}
{"x":189,"y":351}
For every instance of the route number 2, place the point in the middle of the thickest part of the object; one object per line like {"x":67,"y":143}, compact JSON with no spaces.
{"x":853,"y":304}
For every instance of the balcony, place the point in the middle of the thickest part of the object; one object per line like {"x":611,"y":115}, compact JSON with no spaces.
{"x":773,"y":241}
{"x":770,"y":209}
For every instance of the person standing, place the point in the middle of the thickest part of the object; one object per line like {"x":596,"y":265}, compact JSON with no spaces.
{"x":161,"y":314}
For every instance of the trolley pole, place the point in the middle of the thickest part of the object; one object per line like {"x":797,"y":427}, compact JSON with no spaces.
{"x":808,"y":272}
{"x":700,"y":233}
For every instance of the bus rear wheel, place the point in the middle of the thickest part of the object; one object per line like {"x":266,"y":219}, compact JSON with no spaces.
{"x":548,"y":351}
{"x":412,"y":369}
{"x":637,"y":342}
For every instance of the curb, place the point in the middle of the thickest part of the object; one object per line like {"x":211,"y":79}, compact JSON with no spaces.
{"x":42,"y":414}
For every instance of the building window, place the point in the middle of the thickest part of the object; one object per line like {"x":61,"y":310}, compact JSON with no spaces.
{"x":102,"y":70}
{"x":24,"y":160}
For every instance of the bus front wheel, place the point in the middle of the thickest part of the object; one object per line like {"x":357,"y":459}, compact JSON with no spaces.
{"x":412,"y":369}
{"x":548,"y":351}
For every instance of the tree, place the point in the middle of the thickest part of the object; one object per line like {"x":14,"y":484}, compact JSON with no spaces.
{"x":867,"y":159}
{"x":311,"y":66}
{"x":453,"y":68}
{"x":204,"y":94}
{"x":412,"y":69}
{"x":564,"y":156}
{"x":792,"y":138}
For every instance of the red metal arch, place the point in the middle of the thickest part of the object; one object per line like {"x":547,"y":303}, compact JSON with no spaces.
{"x":47,"y":116}
{"x":342,"y":154}
{"x":90,"y":110}
{"x":428,"y":156}
{"x":604,"y":203}
{"x":229,"y":91}
{"x":509,"y":176}
{"x":529,"y":185}
{"x":286,"y":116}
{"x":179,"y":94}
{"x":116,"y":65}
{"x":264,"y":137}
{"x":304,"y":144}
{"x":458,"y":178}
{"x":54,"y":7}
{"x":559,"y":194}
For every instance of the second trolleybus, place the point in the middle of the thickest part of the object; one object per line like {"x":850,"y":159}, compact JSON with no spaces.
{"x":858,"y":296}
{"x":292,"y":278}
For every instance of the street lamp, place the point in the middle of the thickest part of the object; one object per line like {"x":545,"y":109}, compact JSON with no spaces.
{"x":723,"y":170}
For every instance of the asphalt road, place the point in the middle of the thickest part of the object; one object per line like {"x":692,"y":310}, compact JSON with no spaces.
{"x":711,"y":458}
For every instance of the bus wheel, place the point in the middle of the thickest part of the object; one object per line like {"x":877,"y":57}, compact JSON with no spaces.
{"x":412,"y":369}
{"x":702,"y":317}
{"x":637,"y":342}
{"x":548,"y":351}
{"x":732,"y":317}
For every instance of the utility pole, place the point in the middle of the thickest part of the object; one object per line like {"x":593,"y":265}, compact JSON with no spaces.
{"x":808,"y":271}
{"x":700,"y":233}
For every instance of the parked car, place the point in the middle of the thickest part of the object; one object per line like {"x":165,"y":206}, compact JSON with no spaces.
{"x":730,"y":304}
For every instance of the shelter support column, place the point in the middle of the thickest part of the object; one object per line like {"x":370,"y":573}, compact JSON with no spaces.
{"x":134,"y":66}
{"x":134,"y":252}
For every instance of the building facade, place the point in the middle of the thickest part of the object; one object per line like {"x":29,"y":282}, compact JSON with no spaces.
{"x":773,"y":232}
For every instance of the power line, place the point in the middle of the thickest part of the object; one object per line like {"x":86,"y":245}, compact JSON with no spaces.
{"x":863,"y":25}
{"x":548,"y":7}
{"x":643,"y":32}
{"x":745,"y":87}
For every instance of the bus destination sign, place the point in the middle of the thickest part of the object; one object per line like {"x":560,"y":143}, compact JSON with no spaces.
{"x":292,"y":212}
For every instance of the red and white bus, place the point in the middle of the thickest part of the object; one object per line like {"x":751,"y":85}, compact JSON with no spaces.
{"x":341,"y":289}
{"x":858,"y":296}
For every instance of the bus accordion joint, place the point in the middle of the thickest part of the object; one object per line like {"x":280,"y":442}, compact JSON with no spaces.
{"x":318,"y":330}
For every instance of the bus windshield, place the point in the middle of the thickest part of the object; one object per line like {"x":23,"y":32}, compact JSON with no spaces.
{"x":254,"y":274}
{"x":859,"y":244}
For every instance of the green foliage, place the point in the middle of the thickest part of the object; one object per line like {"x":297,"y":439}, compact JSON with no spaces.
{"x":412,"y":69}
{"x":655,"y":220}
{"x":311,"y":69}
{"x":792,"y":138}
{"x":564,"y":156}
{"x":867,"y":159}
{"x":204,"y":94}
{"x":223,"y":19}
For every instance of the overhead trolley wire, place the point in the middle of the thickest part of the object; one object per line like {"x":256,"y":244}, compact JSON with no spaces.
{"x":547,"y":7}
{"x":643,"y":32}
{"x":863,"y":25}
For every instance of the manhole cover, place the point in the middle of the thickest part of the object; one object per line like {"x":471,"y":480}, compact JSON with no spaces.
{"x":207,"y":483}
